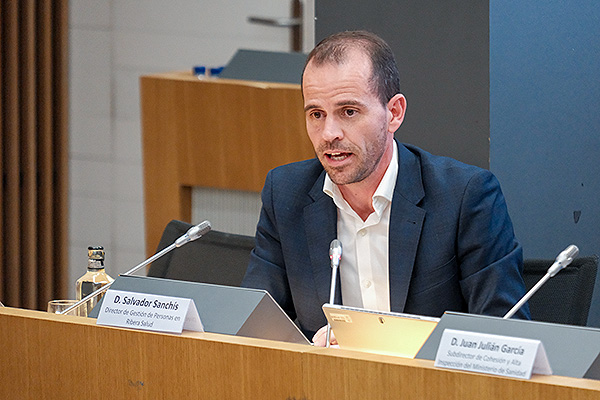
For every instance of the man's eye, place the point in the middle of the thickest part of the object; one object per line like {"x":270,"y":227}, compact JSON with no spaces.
{"x":350,"y":112}
{"x":316,"y":114}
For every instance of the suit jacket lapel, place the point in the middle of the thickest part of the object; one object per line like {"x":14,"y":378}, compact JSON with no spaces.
{"x":320,"y":224}
{"x":406,"y":223}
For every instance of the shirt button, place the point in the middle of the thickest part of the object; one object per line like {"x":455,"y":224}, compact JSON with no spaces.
{"x":362,"y":232}
{"x":367,"y":283}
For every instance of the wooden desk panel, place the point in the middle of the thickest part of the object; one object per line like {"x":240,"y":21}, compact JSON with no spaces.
{"x":223,"y":134}
{"x":370,"y":376}
{"x":46,"y":356}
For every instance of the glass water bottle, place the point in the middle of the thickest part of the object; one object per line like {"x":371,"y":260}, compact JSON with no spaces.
{"x":94,"y":278}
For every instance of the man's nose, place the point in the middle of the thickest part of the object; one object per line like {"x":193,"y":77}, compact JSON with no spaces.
{"x":332,"y":130}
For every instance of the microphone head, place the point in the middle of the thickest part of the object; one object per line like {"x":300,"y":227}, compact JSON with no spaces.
{"x":199,"y":230}
{"x":335,"y":252}
{"x":563,"y":259}
{"x":194,"y":233}
{"x":571,"y":252}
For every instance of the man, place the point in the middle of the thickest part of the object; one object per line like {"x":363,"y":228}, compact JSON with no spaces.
{"x":421,"y":234}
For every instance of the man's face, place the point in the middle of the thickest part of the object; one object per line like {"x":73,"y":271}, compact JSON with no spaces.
{"x":346,"y":122}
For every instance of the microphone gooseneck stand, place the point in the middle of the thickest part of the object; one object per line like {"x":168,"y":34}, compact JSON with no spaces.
{"x":192,"y":234}
{"x":562,"y":260}
{"x":335,"y":255}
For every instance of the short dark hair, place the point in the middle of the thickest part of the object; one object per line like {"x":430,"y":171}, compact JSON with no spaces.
{"x":385,"y":78}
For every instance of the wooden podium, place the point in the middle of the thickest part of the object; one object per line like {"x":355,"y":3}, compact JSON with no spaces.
{"x":214,"y":133}
{"x":47,"y":356}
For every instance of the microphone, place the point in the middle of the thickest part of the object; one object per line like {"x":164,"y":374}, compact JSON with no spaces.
{"x":335,"y":255}
{"x":195,"y":232}
{"x":562,"y":260}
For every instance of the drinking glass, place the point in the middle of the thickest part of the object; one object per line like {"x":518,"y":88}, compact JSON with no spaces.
{"x":57,"y":306}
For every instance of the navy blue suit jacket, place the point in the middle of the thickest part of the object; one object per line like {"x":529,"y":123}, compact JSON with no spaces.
{"x":451,"y":241}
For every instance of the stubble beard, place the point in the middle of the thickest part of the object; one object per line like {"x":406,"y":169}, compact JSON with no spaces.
{"x":362,"y":168}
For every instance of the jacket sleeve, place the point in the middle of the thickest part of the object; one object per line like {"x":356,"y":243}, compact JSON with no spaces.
{"x":266,"y":269}
{"x":490,"y":258}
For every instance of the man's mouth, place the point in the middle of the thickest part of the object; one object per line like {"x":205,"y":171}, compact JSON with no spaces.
{"x":338,"y":156}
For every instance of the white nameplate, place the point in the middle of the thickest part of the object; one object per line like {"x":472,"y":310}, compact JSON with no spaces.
{"x":492,"y":354}
{"x":149,"y":312}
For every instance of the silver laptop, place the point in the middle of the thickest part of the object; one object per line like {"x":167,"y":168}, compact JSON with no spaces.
{"x":379,"y":332}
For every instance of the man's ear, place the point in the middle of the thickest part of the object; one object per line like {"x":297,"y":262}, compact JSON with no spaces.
{"x":396,"y":110}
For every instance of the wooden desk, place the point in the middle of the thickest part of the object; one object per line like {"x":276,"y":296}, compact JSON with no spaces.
{"x":213,"y":133}
{"x":46,"y":356}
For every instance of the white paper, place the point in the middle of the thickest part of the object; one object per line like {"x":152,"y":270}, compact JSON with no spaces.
{"x":149,"y":312}
{"x":492,"y":354}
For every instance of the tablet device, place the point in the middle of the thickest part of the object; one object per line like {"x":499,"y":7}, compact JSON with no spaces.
{"x":379,"y":332}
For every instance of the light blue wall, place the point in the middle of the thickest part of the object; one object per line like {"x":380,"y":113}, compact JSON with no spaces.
{"x":545,"y":120}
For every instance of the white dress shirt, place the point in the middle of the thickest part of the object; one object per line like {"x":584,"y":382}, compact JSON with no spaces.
{"x":364,"y":269}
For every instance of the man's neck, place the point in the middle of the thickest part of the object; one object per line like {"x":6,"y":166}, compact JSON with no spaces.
{"x":360,"y":199}
{"x":359,"y":195}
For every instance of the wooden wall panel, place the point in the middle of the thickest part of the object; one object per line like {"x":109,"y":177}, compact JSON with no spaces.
{"x":217,"y":133}
{"x":33,"y":159}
